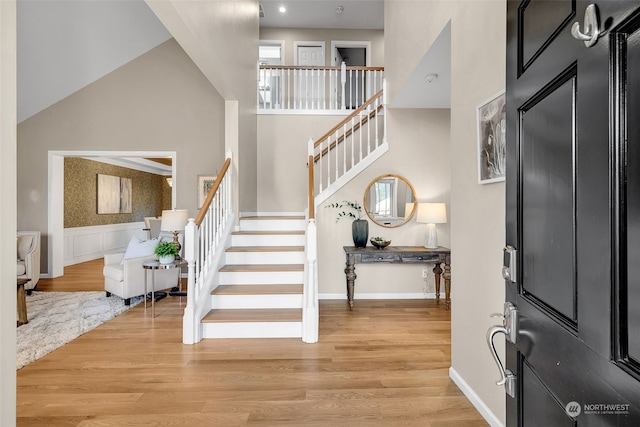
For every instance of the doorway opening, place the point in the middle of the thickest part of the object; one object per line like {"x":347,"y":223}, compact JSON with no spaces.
{"x":353,"y":54}
{"x":55,"y":246}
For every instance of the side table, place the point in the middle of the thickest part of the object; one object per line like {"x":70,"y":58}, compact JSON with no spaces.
{"x":22,"y":303}
{"x":152,"y":266}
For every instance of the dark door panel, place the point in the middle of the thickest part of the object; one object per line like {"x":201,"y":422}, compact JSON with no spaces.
{"x":540,"y":24}
{"x":547,"y":161}
{"x":540,"y":407}
{"x":573,"y":213}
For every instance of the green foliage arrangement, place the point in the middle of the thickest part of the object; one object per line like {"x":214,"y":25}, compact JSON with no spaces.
{"x":355,"y":211}
{"x":166,"y":248}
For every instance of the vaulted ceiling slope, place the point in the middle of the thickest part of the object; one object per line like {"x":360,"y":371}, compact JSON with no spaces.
{"x":64,"y":45}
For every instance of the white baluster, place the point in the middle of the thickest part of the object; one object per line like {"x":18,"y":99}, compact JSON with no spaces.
{"x":360,"y":135}
{"x":344,"y":149}
{"x":384,"y":107}
{"x":353,"y":140}
{"x":337,"y":159}
{"x":343,"y":83}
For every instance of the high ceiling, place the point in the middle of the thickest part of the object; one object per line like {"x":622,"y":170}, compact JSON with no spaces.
{"x":351,"y":14}
{"x":64,"y":45}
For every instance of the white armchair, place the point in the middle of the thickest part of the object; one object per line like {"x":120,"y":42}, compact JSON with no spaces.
{"x":126,"y":279}
{"x":28,"y":264}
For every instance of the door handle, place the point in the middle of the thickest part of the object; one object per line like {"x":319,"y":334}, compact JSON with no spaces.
{"x":591,"y":27}
{"x":509,"y":328}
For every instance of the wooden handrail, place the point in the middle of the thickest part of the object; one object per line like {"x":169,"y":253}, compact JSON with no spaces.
{"x":346,"y":119}
{"x":312,"y":67}
{"x":348,"y":133}
{"x":312,"y":205}
{"x":212,"y":193}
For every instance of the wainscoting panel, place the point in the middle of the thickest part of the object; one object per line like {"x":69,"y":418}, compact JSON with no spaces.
{"x":87,"y":243}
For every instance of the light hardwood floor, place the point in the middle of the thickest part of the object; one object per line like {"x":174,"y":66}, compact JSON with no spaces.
{"x":384,"y":364}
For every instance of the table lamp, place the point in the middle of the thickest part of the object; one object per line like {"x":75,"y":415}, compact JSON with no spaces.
{"x":431,"y":214}
{"x":174,"y":222}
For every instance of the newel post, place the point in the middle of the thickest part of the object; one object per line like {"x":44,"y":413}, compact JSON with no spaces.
{"x":310,"y":312}
{"x":189,"y":325}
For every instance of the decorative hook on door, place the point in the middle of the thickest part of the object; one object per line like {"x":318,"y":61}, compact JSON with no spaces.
{"x":591,"y":26}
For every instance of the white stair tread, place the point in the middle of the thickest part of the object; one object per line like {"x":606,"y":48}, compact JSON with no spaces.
{"x":275,"y":289}
{"x":261,"y":268}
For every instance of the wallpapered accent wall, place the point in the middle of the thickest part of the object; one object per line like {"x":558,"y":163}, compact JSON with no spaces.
{"x":150,"y":193}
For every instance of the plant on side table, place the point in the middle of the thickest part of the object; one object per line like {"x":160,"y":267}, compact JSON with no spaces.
{"x":359,"y":227}
{"x":166,"y":252}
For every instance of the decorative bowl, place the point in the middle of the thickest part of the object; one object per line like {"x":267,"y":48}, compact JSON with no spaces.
{"x":380,"y":242}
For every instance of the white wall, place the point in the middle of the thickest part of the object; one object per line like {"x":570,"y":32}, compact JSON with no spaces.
{"x":8,"y":211}
{"x":282,"y":150}
{"x":477,"y":211}
{"x":221,"y":37}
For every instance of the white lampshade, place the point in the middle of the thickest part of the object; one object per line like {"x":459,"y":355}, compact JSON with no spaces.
{"x":174,"y":220}
{"x":432,"y":213}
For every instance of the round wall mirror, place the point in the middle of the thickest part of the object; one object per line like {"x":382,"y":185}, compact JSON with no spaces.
{"x":390,"y":200}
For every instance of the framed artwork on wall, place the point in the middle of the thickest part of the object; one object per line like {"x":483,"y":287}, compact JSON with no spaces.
{"x":114,"y":194}
{"x":492,"y":148}
{"x":125,"y":195}
{"x":205,"y":182}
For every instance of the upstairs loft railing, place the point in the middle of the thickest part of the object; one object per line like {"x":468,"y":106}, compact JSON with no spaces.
{"x":349,"y":147}
{"x":204,"y":239}
{"x":283,"y":87}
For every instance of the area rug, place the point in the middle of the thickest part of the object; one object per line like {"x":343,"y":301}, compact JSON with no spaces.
{"x":55,"y":318}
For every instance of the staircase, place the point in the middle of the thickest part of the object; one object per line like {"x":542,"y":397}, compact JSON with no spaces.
{"x":260,"y":291}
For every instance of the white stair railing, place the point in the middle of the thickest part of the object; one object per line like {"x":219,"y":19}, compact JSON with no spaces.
{"x":339,"y":155}
{"x":204,"y":239}
{"x":282,"y":87}
{"x":349,"y":147}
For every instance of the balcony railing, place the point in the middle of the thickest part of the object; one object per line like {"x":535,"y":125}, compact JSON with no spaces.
{"x":316,"y":88}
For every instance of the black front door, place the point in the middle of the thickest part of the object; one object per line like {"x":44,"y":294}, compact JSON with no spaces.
{"x":573,"y":212}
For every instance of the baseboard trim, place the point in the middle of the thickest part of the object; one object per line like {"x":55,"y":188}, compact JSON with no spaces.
{"x":475,"y":400}
{"x":343,"y":296}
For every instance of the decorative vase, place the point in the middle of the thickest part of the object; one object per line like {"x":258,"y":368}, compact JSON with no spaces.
{"x":360,"y":231}
{"x":166,"y":259}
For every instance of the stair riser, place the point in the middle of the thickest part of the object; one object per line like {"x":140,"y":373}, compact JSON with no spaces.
{"x":252,"y":330}
{"x":256,"y":301}
{"x":272,"y":225}
{"x":267,"y":240}
{"x":253,"y":278}
{"x":265,"y":258}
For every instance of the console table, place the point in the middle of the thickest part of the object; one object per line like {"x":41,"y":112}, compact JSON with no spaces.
{"x":400,"y":255}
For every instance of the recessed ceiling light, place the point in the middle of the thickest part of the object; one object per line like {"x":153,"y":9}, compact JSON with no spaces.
{"x":282,"y":9}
